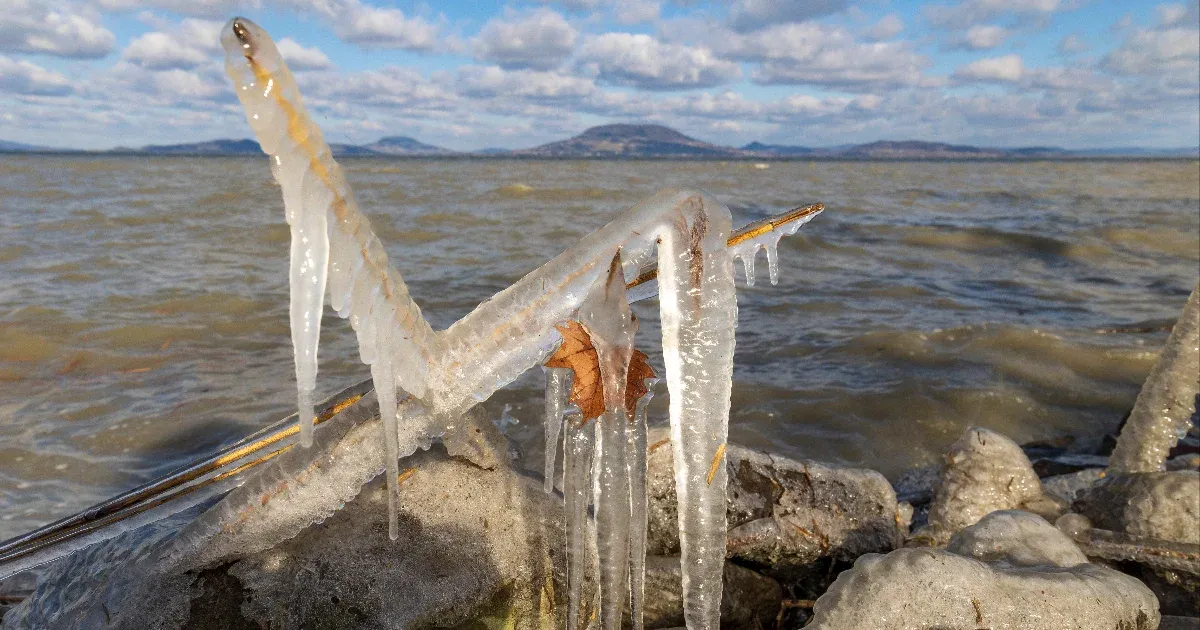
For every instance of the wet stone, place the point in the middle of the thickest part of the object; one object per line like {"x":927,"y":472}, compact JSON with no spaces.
{"x":786,"y":518}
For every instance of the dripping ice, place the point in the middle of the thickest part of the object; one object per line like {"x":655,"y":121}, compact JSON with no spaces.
{"x":447,"y":373}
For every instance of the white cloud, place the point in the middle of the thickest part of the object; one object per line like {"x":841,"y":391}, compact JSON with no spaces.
{"x":300,"y":58}
{"x":969,"y":12}
{"x":637,"y":11}
{"x":31,"y":26}
{"x":190,"y":44}
{"x":1072,"y":44}
{"x":984,"y":37}
{"x":492,"y":81}
{"x":159,"y":51}
{"x":887,"y":27}
{"x":541,"y":40}
{"x":748,"y":15}
{"x":23,"y":77}
{"x":1172,"y":50}
{"x":376,"y":27}
{"x":818,"y":54}
{"x":1006,"y":69}
{"x":1171,"y":14}
{"x":200,"y":8}
{"x":642,"y":61}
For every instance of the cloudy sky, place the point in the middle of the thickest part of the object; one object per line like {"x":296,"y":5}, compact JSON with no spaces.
{"x":516,"y":73}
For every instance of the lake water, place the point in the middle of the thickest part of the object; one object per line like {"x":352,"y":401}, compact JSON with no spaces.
{"x":143,"y":302}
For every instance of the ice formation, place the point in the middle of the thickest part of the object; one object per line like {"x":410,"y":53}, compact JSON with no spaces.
{"x":1164,"y":407}
{"x":746,"y":248}
{"x":926,"y":588}
{"x":447,"y":373}
{"x":1019,"y":538}
{"x":984,"y":472}
{"x":558,"y":387}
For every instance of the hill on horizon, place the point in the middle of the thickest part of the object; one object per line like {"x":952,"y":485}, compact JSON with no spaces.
{"x":627,"y":140}
{"x":640,"y":141}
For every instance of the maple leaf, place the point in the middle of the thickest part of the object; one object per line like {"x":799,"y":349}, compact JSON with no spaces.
{"x":578,"y":354}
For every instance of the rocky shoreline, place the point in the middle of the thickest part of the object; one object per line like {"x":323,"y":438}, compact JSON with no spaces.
{"x":970,"y":544}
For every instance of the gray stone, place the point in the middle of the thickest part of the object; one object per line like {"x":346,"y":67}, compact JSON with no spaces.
{"x":984,"y":472}
{"x":1019,"y":538}
{"x":931,"y":588}
{"x":784,"y":515}
{"x":750,"y":600}
{"x":1162,"y":505}
{"x":916,"y":484}
{"x":474,"y":543}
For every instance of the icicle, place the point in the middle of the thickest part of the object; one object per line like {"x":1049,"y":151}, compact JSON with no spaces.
{"x":606,"y":316}
{"x":578,"y":448}
{"x":385,"y":388}
{"x":636,"y":461}
{"x":773,"y":259}
{"x":558,"y":388}
{"x":318,"y":202}
{"x":698,"y":309}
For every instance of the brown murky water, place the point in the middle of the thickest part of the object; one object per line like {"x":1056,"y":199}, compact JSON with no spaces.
{"x":143,"y":316}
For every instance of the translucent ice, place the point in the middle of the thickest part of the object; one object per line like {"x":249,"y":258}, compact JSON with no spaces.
{"x":1164,"y":408}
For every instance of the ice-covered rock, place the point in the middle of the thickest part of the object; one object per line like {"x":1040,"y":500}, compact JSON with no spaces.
{"x":1019,"y":538}
{"x":1161,"y":505}
{"x":928,"y":588}
{"x":475,"y":543}
{"x":784,"y":514}
{"x":984,"y":472}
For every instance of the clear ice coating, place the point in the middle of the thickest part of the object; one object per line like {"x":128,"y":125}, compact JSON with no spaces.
{"x":578,"y":447}
{"x":558,"y":388}
{"x":448,"y":373}
{"x":1164,"y":407}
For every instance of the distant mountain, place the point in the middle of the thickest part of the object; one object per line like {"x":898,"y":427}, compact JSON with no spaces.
{"x":631,"y":141}
{"x":211,"y":147}
{"x":403,"y":145}
{"x":17,"y":147}
{"x":777,"y":149}
{"x":655,"y":141}
{"x":916,"y":149}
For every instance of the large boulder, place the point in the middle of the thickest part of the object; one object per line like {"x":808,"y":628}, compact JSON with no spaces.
{"x":1162,"y":505}
{"x":474,"y":543}
{"x":750,"y":600}
{"x":1018,"y":538}
{"x":784,"y":515}
{"x":915,"y":588}
{"x":984,"y":472}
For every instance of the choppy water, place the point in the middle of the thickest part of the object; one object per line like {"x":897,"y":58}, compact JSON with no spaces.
{"x":143,"y":316}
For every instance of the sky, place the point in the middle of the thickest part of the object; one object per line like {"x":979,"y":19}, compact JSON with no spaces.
{"x":1077,"y":74}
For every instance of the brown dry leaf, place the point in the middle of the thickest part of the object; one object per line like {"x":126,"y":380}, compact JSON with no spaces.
{"x":587,"y":392}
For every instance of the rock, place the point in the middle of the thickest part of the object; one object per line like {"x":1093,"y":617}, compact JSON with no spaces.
{"x":1070,"y":487}
{"x":784,"y":515}
{"x":1018,"y":538}
{"x":928,"y":588}
{"x":750,"y":600}
{"x":1162,"y":505}
{"x":916,"y":484}
{"x":984,"y":472}
{"x":474,"y":543}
